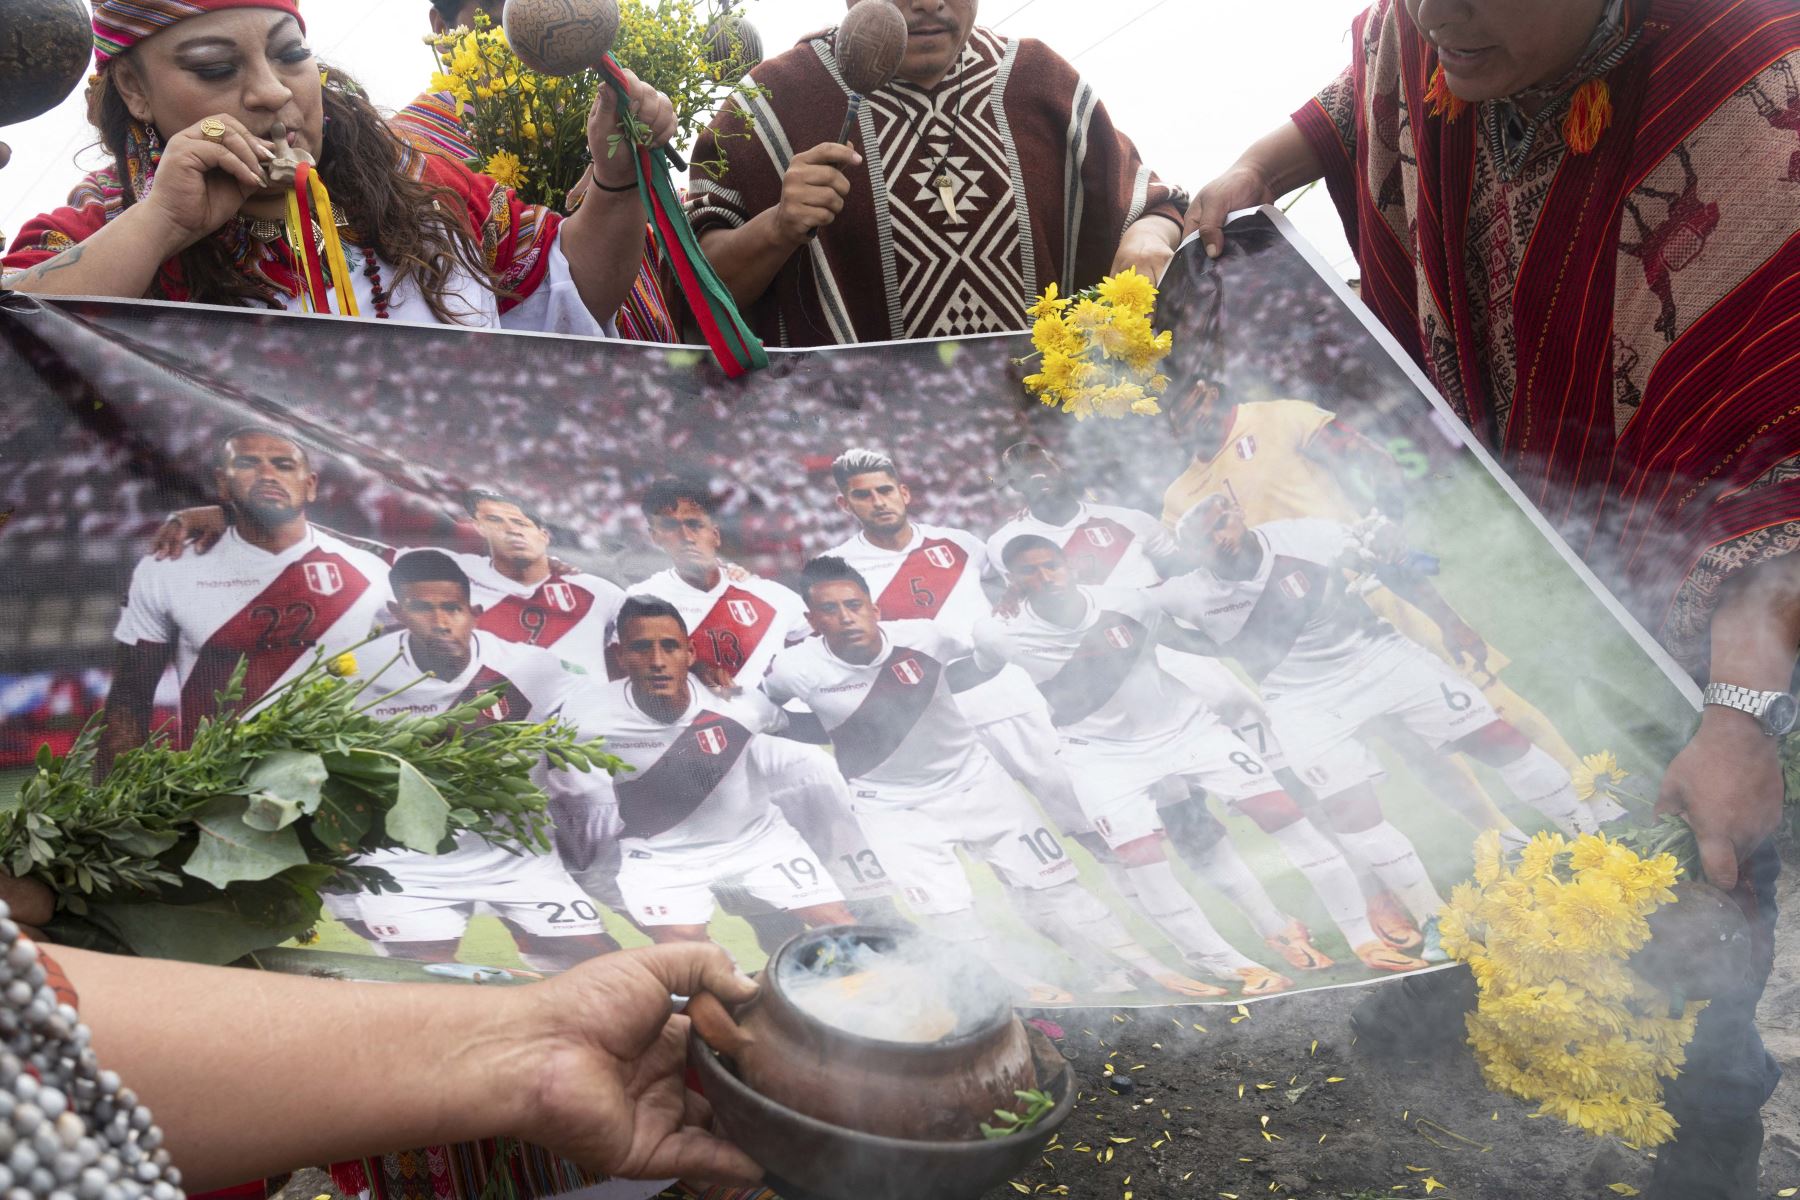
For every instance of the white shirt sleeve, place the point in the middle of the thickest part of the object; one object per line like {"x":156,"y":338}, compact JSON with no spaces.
{"x":778,"y":683}
{"x":556,"y":306}
{"x":146,"y":615}
{"x":989,"y":640}
{"x":1160,"y":546}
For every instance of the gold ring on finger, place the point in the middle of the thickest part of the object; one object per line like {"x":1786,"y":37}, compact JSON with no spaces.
{"x":212,"y":129}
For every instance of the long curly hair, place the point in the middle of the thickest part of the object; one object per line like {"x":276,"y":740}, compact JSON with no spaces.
{"x":422,"y":230}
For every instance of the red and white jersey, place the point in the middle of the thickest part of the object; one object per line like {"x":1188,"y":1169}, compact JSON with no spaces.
{"x":570,"y":614}
{"x":897,"y":730}
{"x":1101,"y":675}
{"x":937,"y":577}
{"x":237,"y":602}
{"x":1293,"y":623}
{"x":533,"y":685}
{"x":690,"y":785}
{"x":1105,"y":545}
{"x":738,"y":625}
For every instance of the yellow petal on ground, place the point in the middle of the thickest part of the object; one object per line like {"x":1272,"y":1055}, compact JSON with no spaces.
{"x":1019,"y":1187}
{"x":1242,"y":1011}
{"x":1340,"y":1079}
{"x":1265,"y":1120}
{"x":1623,"y":1189}
{"x":1201,"y":1028}
{"x":1315,"y":1048}
{"x":1240,"y":1091}
{"x":1431,"y":1185}
{"x":1119,"y":1141}
{"x":1786,"y":1192}
{"x":1321,"y":1139}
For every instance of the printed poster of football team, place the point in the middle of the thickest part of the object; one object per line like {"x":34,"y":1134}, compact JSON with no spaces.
{"x":1204,"y":706}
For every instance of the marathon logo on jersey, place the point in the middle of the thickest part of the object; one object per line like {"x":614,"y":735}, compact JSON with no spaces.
{"x":1119,"y":637}
{"x":712,"y":739}
{"x":323,"y":578}
{"x":909,"y":672}
{"x":743,"y":612}
{"x":1295,"y":586}
{"x":560,"y":596}
{"x":1099,"y":536}
{"x":940,"y":557}
{"x":1245,"y":447}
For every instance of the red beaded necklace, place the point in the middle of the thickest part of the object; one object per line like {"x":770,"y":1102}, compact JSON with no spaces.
{"x":380,"y":298}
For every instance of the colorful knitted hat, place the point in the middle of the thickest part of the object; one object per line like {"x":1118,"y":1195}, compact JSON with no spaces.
{"x":121,"y":24}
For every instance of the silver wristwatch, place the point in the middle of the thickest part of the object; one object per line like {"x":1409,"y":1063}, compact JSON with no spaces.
{"x":1776,"y":712}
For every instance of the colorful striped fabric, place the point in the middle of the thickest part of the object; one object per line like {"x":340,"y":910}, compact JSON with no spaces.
{"x":435,"y":123}
{"x":1616,"y":326}
{"x":121,"y":24}
{"x":466,"y":1171}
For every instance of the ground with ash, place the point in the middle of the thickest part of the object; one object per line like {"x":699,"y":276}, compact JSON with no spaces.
{"x":1280,"y":1103}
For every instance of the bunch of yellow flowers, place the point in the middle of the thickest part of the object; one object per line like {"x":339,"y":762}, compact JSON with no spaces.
{"x":530,"y":130}
{"x":1562,"y":1019}
{"x":1099,"y":350}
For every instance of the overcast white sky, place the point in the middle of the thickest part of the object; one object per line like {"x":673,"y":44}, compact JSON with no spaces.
{"x":1193,"y":81}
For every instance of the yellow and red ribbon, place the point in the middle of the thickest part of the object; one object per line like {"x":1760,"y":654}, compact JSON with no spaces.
{"x":309,"y":205}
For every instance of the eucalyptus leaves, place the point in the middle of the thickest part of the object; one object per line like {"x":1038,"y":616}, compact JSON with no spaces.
{"x":211,"y":852}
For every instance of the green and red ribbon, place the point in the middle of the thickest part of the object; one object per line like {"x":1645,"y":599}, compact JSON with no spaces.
{"x":737,"y":350}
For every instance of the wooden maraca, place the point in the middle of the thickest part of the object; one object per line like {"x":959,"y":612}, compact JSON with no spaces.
{"x":566,"y":37}
{"x":868,"y":47}
{"x":561,"y":37}
{"x":44,"y":48}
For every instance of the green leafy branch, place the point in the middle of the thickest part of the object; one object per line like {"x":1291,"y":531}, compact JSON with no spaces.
{"x":218,"y":849}
{"x":1038,"y":1105}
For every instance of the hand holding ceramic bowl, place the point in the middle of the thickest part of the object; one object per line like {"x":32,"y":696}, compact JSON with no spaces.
{"x":868,"y":1062}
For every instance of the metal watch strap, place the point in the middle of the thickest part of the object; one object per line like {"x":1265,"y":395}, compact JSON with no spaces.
{"x":1730,"y":695}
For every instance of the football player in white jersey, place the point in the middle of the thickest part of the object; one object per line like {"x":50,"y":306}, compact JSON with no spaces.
{"x":922,"y":783}
{"x":275,"y":593}
{"x":739,"y":622}
{"x":528,"y":596}
{"x":1275,"y":598}
{"x":931,"y":573}
{"x":435,"y":661}
{"x":1122,"y":547}
{"x":688,"y":818}
{"x":1128,"y":726}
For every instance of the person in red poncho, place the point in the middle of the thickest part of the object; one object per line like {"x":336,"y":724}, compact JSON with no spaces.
{"x":1582,"y":219}
{"x":189,"y":96}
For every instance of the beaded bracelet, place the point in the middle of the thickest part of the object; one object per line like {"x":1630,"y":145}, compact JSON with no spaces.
{"x":68,"y":1130}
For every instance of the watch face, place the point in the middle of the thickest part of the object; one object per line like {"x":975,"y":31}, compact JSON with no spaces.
{"x":1781,"y":716}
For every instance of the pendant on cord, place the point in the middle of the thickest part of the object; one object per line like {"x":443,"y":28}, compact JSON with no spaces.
{"x":946,"y":186}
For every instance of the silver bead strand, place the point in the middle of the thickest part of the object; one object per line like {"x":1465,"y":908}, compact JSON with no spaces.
{"x":68,"y":1129}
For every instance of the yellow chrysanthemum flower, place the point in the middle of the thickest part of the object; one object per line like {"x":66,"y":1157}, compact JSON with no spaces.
{"x":341,"y":666}
{"x":1597,"y":772}
{"x":504,"y":168}
{"x":1130,"y":291}
{"x":1049,"y":304}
